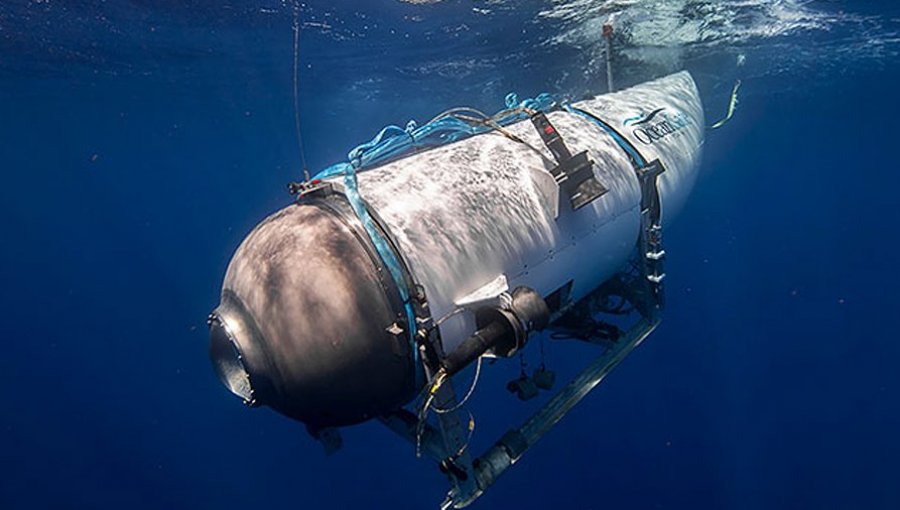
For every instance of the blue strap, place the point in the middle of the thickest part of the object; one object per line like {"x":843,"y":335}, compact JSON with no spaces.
{"x":394,"y":141}
{"x":387,"y":256}
{"x":632,"y":152}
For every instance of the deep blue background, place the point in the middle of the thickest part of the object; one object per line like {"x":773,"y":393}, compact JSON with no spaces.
{"x":138,"y":149}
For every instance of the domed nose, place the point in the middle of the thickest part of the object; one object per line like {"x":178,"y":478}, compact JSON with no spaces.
{"x":228,"y":361}
{"x":309,"y":318}
{"x":236,"y":351}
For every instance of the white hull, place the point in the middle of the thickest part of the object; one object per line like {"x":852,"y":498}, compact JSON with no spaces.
{"x":466,"y":213}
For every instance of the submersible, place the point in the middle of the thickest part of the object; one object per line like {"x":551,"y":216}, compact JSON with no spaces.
{"x":379,"y":283}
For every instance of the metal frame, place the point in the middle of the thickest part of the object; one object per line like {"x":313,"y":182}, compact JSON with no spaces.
{"x":446,"y":444}
{"x":514,"y":443}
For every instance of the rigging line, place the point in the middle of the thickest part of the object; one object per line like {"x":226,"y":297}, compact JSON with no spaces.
{"x":732,"y":104}
{"x":469,"y":393}
{"x":458,"y":109}
{"x":471,"y":427}
{"x":422,"y":415}
{"x":493,"y":124}
{"x":296,"y":28}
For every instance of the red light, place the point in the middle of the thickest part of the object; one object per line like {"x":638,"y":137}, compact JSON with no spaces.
{"x":549,"y":130}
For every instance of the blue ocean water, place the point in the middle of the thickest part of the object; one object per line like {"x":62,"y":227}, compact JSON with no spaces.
{"x":140,"y":142}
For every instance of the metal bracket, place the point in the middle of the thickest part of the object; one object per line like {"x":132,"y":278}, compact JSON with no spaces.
{"x":573,"y":174}
{"x":576,"y":178}
{"x":650,"y":251}
{"x":315,"y":187}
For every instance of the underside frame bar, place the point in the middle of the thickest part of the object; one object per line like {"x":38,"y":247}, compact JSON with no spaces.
{"x":489,"y":466}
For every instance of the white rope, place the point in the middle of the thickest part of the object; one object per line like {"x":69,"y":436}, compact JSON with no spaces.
{"x":468,"y":393}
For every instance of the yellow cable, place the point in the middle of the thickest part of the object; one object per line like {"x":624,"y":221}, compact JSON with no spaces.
{"x":731,"y":106}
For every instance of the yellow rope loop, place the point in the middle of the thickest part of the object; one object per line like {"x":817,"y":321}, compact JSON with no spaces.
{"x":731,"y":106}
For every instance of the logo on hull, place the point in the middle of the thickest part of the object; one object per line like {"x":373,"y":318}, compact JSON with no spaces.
{"x":654,"y":126}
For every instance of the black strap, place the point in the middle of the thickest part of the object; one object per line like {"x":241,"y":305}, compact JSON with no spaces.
{"x":650,"y":248}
